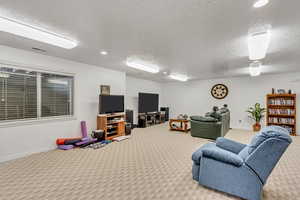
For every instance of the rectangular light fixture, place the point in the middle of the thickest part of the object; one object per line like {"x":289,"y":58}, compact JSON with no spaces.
{"x":258,"y":44}
{"x":142,"y":65}
{"x":179,"y":77}
{"x":35,"y":33}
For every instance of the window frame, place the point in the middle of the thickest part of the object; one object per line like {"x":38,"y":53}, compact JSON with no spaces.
{"x":39,"y":118}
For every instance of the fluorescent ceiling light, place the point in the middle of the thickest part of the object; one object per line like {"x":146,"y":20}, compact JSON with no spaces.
{"x":260,"y":3}
{"x":104,"y":53}
{"x":255,"y":68}
{"x":57,"y":81}
{"x":258,"y":44}
{"x":4,"y":75}
{"x":35,"y":33}
{"x":179,"y":77}
{"x":142,"y":65}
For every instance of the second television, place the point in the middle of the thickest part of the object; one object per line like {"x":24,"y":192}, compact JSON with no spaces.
{"x":148,"y":102}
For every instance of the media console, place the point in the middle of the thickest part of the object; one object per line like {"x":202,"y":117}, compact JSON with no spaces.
{"x":148,"y":119}
{"x":113,"y":125}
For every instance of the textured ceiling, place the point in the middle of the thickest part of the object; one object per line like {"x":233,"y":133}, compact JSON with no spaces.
{"x":201,"y":38}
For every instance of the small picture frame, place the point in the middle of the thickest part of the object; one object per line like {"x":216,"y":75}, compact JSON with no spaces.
{"x":105,"y":90}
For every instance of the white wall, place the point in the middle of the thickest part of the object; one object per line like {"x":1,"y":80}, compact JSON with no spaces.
{"x":194,"y":97}
{"x":133,"y":87}
{"x":191,"y":98}
{"x":26,"y":139}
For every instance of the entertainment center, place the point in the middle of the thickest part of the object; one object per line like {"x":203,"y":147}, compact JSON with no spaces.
{"x":111,"y":118}
{"x":148,"y":112}
{"x":113,"y":125}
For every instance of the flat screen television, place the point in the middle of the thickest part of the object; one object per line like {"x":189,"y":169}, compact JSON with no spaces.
{"x":111,"y":104}
{"x":148,"y":102}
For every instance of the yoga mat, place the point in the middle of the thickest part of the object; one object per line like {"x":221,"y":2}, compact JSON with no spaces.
{"x":65,"y":147}
{"x":71,"y":142}
{"x":61,"y":141}
{"x":85,"y":142}
{"x":83,"y":129}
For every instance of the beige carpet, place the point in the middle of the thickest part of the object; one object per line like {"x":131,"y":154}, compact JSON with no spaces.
{"x":154,"y":164}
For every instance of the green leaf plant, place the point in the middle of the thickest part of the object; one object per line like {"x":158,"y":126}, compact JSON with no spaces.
{"x":256,"y":113}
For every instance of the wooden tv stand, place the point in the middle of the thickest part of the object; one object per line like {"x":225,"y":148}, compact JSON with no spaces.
{"x":112,"y":124}
{"x":146,"y":119}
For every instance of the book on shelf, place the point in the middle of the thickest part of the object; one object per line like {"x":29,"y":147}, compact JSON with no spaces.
{"x":279,"y":120}
{"x":281,"y":111}
{"x":281,"y":101}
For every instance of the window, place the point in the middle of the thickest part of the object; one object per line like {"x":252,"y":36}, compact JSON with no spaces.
{"x":56,"y":95}
{"x":34,"y":95}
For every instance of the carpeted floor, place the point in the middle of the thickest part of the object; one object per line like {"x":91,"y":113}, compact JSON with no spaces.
{"x":154,"y":164}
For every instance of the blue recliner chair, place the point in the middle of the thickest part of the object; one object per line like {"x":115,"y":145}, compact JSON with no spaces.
{"x":238,"y":169}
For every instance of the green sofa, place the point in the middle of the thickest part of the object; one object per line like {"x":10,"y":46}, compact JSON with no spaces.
{"x":213,"y":125}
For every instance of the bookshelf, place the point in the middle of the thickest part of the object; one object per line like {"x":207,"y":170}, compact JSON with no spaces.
{"x":112,"y":124}
{"x":281,"y":111}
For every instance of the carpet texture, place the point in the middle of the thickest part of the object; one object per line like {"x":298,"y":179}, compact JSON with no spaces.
{"x":153,"y":164}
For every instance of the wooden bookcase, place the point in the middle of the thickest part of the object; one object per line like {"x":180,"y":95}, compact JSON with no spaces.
{"x":112,"y":124}
{"x":281,"y":111}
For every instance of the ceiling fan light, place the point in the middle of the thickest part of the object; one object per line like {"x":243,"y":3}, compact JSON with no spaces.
{"x":258,"y":44}
{"x":255,"y":68}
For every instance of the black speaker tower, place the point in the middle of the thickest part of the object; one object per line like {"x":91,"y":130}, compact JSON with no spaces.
{"x":166,"y":110}
{"x":129,"y":117}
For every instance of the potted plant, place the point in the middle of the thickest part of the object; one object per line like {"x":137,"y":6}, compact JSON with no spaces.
{"x":256,"y":113}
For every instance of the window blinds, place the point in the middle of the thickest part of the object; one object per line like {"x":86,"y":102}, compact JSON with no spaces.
{"x":56,"y":95}
{"x":33,"y":95}
{"x":18,"y":96}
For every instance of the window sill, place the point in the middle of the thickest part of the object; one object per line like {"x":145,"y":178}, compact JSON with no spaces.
{"x":15,"y":123}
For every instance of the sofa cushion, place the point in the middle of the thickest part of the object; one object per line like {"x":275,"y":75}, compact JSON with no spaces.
{"x":216,"y":115}
{"x":207,"y":114}
{"x":224,"y":110}
{"x":203,"y":119}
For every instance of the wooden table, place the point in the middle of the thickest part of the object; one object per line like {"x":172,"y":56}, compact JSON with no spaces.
{"x":184,"y":125}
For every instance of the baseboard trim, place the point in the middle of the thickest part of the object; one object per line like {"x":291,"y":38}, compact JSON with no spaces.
{"x":23,"y":154}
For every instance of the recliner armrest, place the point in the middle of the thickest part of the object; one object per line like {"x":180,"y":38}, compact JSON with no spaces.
{"x":223,"y":156}
{"x":230,"y":145}
{"x":196,"y":156}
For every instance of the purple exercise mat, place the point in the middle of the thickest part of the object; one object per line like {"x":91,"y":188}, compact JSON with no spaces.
{"x":83,"y":129}
{"x":65,"y":147}
{"x":86,"y":141}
